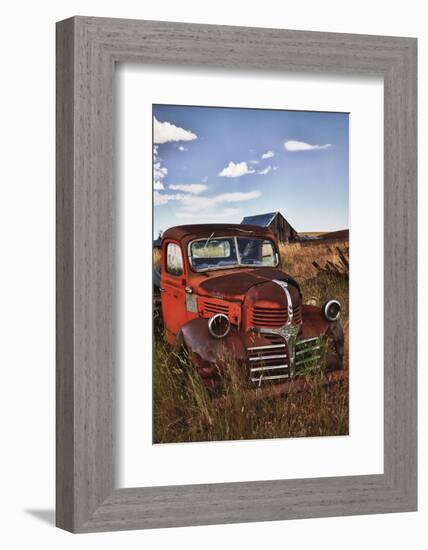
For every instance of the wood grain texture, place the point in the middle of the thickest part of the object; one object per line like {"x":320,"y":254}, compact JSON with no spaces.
{"x":64,"y":278}
{"x":87,"y":49}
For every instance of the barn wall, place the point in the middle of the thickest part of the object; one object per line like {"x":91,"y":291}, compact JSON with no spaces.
{"x":282,"y":229}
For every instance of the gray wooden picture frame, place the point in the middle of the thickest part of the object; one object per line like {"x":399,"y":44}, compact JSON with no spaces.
{"x":87,"y":50}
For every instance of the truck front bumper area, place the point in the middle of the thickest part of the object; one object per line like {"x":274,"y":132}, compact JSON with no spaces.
{"x":264,"y":358}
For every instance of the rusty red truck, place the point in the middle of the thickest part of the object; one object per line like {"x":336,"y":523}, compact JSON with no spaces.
{"x":223,"y":295}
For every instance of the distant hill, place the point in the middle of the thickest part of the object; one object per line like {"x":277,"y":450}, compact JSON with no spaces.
{"x":342,"y":234}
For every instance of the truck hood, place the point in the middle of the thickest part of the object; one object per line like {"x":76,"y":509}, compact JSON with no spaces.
{"x":235,"y":285}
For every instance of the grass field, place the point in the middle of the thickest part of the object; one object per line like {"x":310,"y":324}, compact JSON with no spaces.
{"x":184,"y":412}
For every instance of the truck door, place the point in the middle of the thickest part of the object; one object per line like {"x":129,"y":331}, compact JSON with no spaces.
{"x":173,"y":289}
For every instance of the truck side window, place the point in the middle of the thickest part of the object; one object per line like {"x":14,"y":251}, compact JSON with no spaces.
{"x":174,"y":259}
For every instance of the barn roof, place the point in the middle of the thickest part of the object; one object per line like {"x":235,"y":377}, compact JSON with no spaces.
{"x":262,"y":220}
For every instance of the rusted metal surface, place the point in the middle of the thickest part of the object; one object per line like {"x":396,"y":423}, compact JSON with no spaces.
{"x":235,"y":285}
{"x":266,"y":304}
{"x":315,"y":324}
{"x":208,"y":355}
{"x":198,"y":231}
{"x":263,"y":304}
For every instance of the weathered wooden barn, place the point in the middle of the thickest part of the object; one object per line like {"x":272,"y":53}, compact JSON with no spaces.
{"x":276,"y":222}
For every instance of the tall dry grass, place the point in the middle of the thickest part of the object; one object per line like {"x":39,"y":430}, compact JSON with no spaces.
{"x":319,"y":285}
{"x":156,"y":257}
{"x":185,"y":412}
{"x":298,"y":258}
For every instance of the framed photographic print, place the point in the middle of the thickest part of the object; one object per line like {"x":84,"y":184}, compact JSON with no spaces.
{"x":236,"y":282}
{"x":224,"y":300}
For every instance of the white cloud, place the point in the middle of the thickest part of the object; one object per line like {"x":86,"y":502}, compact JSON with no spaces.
{"x":193,"y":188}
{"x":293,"y":146}
{"x":198,"y":204}
{"x":223,"y":214}
{"x":182,"y":148}
{"x":163,"y":198}
{"x":233,"y":170}
{"x":268,"y":155}
{"x":163,"y":132}
{"x":265,"y":170}
{"x":159,"y":172}
{"x":238,"y":196}
{"x":254,"y":161}
{"x":194,"y":204}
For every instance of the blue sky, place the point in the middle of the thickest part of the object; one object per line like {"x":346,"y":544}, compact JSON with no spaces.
{"x":220,"y":164}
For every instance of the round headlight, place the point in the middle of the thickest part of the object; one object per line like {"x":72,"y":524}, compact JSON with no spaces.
{"x":331,"y":310}
{"x":219,"y":325}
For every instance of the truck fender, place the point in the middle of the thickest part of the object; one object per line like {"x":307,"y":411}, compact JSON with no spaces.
{"x":315,"y":324}
{"x":210,"y":355}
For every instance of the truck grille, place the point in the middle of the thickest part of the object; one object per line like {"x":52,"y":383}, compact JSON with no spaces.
{"x":211,"y":308}
{"x":268,"y":362}
{"x":271,"y":362}
{"x":308,"y":353}
{"x":274,"y":317}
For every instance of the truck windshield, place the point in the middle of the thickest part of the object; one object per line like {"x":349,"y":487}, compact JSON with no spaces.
{"x":226,"y":252}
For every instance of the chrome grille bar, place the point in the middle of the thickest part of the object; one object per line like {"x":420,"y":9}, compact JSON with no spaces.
{"x":274,"y":377}
{"x":274,"y":367}
{"x":306,"y":340}
{"x":273,"y":346}
{"x":308,"y":350}
{"x":265,"y":357}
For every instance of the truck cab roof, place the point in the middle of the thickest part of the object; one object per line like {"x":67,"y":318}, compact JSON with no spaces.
{"x":199,"y":231}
